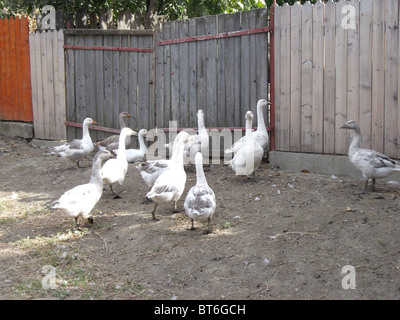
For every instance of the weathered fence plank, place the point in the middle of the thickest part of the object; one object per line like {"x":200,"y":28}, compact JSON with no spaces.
{"x":48,"y":84}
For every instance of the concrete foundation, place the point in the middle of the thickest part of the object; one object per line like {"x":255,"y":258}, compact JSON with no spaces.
{"x":318,"y":163}
{"x":16,"y":129}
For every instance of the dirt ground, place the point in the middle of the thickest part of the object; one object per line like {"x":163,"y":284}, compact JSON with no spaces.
{"x":285,"y":236}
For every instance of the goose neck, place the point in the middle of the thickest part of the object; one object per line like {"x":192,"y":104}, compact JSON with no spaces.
{"x":122,"y":123}
{"x":177,"y":154}
{"x":142,"y":145}
{"x":121,"y":147}
{"x":96,"y":177}
{"x":260,"y":118}
{"x":355,"y":142}
{"x":201,"y":178}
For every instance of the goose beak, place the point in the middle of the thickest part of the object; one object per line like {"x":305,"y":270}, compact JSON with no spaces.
{"x":343,"y":126}
{"x":94,"y":122}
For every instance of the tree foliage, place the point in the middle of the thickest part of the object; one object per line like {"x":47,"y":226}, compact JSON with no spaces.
{"x":173,"y":9}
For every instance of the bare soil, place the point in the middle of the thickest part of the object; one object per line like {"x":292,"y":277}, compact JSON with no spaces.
{"x":284,"y":236}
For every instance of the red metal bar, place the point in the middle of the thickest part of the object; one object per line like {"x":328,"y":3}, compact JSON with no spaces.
{"x":215,"y":36}
{"x":97,"y":128}
{"x":272,"y":80}
{"x":108,"y":48}
{"x":112,"y":130}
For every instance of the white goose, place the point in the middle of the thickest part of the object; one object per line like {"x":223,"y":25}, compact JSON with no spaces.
{"x":151,"y":169}
{"x":114,"y":170}
{"x":80,"y":200}
{"x":198,"y":142}
{"x":137,"y":155}
{"x":78,"y":149}
{"x":200,"y":201}
{"x":201,"y":140}
{"x":170,"y":184}
{"x":111,"y":143}
{"x":261,"y":134}
{"x":248,"y":158}
{"x":373,"y":164}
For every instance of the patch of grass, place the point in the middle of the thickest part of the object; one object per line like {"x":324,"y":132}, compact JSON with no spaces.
{"x":4,"y":204}
{"x":131,"y":287}
{"x":226,"y":225}
{"x":6,"y":220}
{"x":71,"y":274}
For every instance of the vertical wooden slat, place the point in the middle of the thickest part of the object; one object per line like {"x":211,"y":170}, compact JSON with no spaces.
{"x":175,"y":108}
{"x":353,"y":65}
{"x":391,"y":133}
{"x":7,"y":111}
{"x":329,"y":79}
{"x":100,"y":86}
{"x":18,"y":92}
{"x":318,"y":77}
{"x":295,"y":77}
{"x":25,"y":68}
{"x":60,"y":98}
{"x":184,"y":114}
{"x":378,"y":76}
{"x":341,"y":137}
{"x":306,"y":79}
{"x":70,"y":85}
{"x":192,"y":75}
{"x":277,"y":71}
{"x":33,"y":75}
{"x":211,"y":74}
{"x":365,"y":118}
{"x":39,"y":110}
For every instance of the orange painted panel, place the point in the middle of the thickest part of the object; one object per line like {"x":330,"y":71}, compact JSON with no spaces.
{"x":15,"y":78}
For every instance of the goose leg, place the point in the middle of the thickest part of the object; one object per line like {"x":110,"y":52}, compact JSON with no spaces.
{"x":116,"y":196}
{"x":154,"y":211}
{"x":365,"y":187}
{"x":176,"y":207}
{"x":209,"y":226}
{"x":192,"y":228}
{"x":373,"y":185}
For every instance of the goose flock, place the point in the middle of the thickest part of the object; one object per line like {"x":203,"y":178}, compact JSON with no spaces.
{"x":166,"y":178}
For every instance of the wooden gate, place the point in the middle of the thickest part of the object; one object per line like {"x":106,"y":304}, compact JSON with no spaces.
{"x":15,"y":76}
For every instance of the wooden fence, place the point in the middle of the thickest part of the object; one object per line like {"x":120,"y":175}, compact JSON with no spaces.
{"x":15,"y":85}
{"x":216,"y":63}
{"x":48,"y":84}
{"x":335,"y":62}
{"x":108,"y":72}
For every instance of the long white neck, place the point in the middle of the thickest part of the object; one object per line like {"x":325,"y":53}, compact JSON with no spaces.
{"x":96,"y":177}
{"x":355,"y":143}
{"x":85,"y":131}
{"x":200,"y":124}
{"x":201,"y":178}
{"x":121,"y":147}
{"x":177,"y":154}
{"x":249,"y":129}
{"x":260,"y":118}
{"x":142,"y":145}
